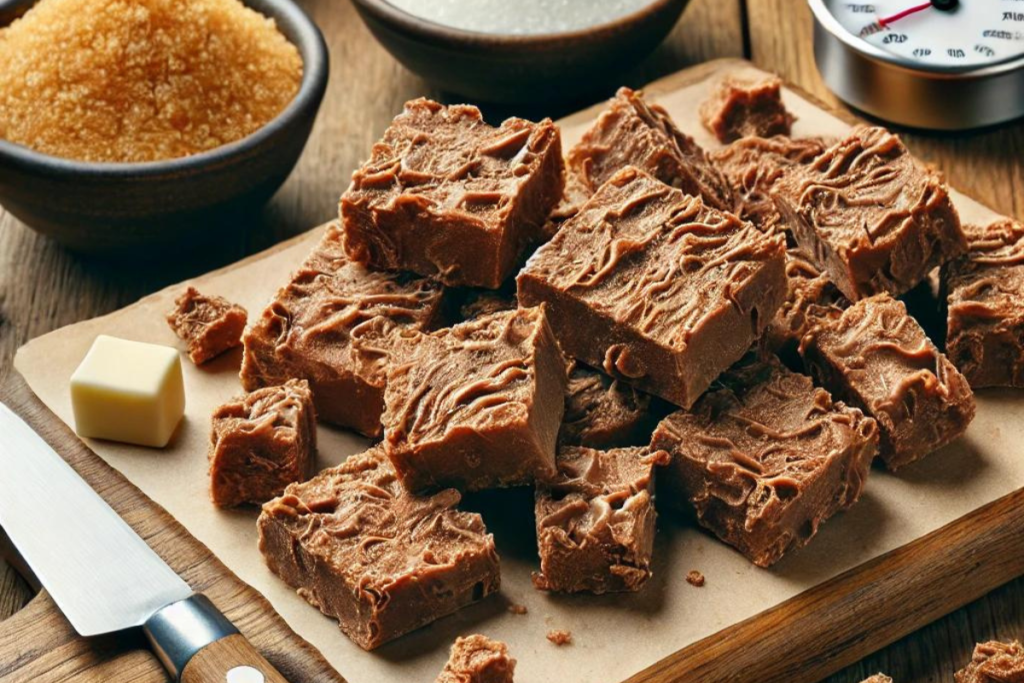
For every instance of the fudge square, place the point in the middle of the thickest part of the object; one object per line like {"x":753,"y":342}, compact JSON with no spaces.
{"x":872,"y":217}
{"x":985,"y":306}
{"x":477,"y":405}
{"x":333,"y":325}
{"x":445,"y":194}
{"x":631,"y":132}
{"x":595,"y":521}
{"x":601,"y":412}
{"x":655,"y":287}
{"x":765,"y":458}
{"x":739,"y":107}
{"x":478,"y":659}
{"x":261,"y":442}
{"x":209,"y":325}
{"x":876,"y":356}
{"x":382,"y":561}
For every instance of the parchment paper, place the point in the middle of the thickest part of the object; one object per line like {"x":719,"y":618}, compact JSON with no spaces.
{"x":613,"y":636}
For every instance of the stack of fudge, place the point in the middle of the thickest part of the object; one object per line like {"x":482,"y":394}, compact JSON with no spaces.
{"x":640,"y":316}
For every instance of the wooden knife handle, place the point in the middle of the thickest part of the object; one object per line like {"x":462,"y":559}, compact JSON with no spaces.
{"x":230,"y":660}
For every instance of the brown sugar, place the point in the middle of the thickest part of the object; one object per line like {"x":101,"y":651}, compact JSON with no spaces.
{"x":141,"y":80}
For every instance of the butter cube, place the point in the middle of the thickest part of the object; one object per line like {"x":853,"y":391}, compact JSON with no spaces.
{"x":128,"y":391}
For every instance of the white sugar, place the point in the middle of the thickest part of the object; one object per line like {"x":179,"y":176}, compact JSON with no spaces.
{"x":520,"y":17}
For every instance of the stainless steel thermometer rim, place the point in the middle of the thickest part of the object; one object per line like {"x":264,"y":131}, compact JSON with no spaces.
{"x":898,"y":90}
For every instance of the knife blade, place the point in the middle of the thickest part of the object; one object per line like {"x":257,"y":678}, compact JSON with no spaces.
{"x":102,"y":575}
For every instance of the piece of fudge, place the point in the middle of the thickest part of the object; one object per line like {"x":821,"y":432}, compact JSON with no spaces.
{"x":601,"y":412}
{"x":209,"y":325}
{"x":595,"y":521}
{"x":810,"y":297}
{"x":655,"y":287}
{"x":261,"y":442}
{"x":478,"y":659}
{"x":631,"y":132}
{"x":985,"y":305}
{"x":877,"y":678}
{"x":477,"y":405}
{"x":876,"y":356}
{"x":382,"y":561}
{"x":447,"y":195}
{"x":871,"y":216}
{"x":994,"y":662}
{"x":765,"y":458}
{"x":739,"y":107}
{"x":334,"y":325}
{"x":753,"y":165}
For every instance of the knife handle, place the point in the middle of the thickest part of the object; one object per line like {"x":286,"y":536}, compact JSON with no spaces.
{"x":197,"y":644}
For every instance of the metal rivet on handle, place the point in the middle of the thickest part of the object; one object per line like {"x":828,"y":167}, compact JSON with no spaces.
{"x":244,"y":674}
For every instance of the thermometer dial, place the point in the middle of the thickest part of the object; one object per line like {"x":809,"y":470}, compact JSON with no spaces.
{"x":945,"y":64}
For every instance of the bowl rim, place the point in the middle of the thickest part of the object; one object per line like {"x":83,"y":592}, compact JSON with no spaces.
{"x":310,"y":43}
{"x":410,"y":24}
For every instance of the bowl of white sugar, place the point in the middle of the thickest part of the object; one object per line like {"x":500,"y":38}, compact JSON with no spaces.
{"x":512,"y":51}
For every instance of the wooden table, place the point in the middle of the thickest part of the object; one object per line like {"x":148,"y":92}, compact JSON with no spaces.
{"x":43,"y":287}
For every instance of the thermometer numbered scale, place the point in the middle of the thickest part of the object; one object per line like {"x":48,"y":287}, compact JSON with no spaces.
{"x":944,"y":64}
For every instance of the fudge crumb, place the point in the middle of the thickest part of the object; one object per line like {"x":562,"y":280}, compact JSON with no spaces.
{"x":877,"y":678}
{"x":695,"y":578}
{"x":560,"y":637}
{"x":994,"y":662}
{"x":517,"y":609}
{"x":475,"y":659}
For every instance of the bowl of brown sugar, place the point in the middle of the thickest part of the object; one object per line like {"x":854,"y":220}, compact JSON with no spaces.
{"x":131,"y":124}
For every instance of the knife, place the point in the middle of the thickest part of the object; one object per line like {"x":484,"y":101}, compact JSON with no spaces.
{"x":102,"y":575}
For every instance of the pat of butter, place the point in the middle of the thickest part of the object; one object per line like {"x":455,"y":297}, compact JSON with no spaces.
{"x":128,"y":391}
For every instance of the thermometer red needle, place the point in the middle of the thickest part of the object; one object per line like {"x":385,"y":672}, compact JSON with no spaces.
{"x":885,"y":21}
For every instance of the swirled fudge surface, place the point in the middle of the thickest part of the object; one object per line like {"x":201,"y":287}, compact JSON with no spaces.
{"x":985,"y":304}
{"x":446,"y":194}
{"x":765,"y":458}
{"x":871,"y":216}
{"x":595,"y":520}
{"x":752,"y":166}
{"x":631,"y":132}
{"x":382,"y":561}
{"x":655,"y":287}
{"x":740,"y":107}
{"x":601,"y":412}
{"x":876,"y":356}
{"x":209,"y":325}
{"x":261,"y":442}
{"x":478,"y":659}
{"x":810,"y":296}
{"x":994,"y":662}
{"x":477,"y":405}
{"x":333,"y":325}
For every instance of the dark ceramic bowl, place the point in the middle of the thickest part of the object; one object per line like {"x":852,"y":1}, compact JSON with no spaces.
{"x":512,"y":69}
{"x":132,"y":208}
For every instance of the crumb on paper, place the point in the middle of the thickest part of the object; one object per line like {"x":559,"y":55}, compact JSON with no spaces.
{"x":560,"y":637}
{"x":695,"y":578}
{"x":515,"y":608}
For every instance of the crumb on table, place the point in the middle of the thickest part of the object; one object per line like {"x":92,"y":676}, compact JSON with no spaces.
{"x":560,"y":637}
{"x":515,"y":608}
{"x":695,"y":578}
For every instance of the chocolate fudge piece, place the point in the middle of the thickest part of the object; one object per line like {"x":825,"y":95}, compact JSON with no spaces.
{"x":739,"y":107}
{"x":260,"y":443}
{"x":994,"y":662}
{"x":876,"y":356}
{"x":765,"y":458}
{"x":655,"y":287}
{"x":477,"y":405}
{"x":631,"y":132}
{"x":595,"y":521}
{"x":871,"y":217}
{"x":445,"y":194}
{"x":380,"y":560}
{"x":209,"y":325}
{"x":753,"y":165}
{"x":810,"y":297}
{"x":478,"y":659}
{"x":334,"y":325}
{"x":985,"y":304}
{"x":601,"y":412}
{"x":877,"y":678}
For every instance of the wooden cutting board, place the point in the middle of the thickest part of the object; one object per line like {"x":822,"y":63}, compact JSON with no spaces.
{"x":802,"y":639}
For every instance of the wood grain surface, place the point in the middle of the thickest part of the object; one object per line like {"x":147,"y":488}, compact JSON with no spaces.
{"x":43,"y":287}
